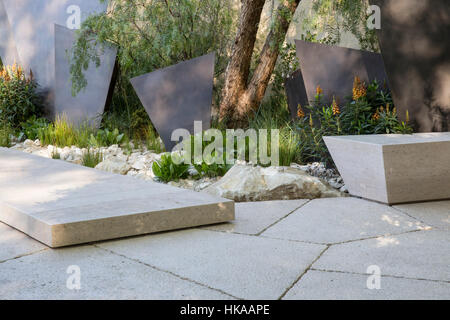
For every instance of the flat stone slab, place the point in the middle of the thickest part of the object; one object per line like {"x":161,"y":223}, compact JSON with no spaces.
{"x":102,"y":276}
{"x":246,"y":267}
{"x":15,"y":244}
{"x":319,"y":285}
{"x":436,"y":214}
{"x":336,"y":220}
{"x":416,"y":255}
{"x":394,"y":168}
{"x":63,"y":204}
{"x":254,"y":217}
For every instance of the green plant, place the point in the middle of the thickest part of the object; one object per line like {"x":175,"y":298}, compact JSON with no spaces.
{"x":369,"y":110}
{"x":31,"y":127}
{"x":105,"y":137}
{"x":5,"y":134}
{"x":63,"y":133}
{"x":167,"y":170}
{"x":91,"y":158}
{"x":18,"y":97}
{"x":55,"y":155}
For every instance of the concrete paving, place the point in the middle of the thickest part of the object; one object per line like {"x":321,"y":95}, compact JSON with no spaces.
{"x":274,"y":250}
{"x":436,"y":214}
{"x":62,"y":204}
{"x":343,"y":219}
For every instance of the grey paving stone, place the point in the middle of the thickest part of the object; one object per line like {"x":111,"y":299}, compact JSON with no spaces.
{"x":14,"y":243}
{"x":318,"y":285}
{"x":335,"y":220}
{"x":62,"y":204}
{"x":103,"y":276}
{"x":254,"y":217}
{"x":436,"y":214}
{"x":244,"y":266}
{"x":418,"y":255}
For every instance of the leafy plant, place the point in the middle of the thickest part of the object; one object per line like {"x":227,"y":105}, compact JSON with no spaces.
{"x":31,"y":127}
{"x":5,"y":134}
{"x":18,"y":97}
{"x":91,"y":158}
{"x":63,"y":133}
{"x":369,"y":110}
{"x":104,"y":138}
{"x":167,"y":170}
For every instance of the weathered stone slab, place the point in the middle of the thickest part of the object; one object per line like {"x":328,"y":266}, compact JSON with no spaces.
{"x":319,"y":285}
{"x":416,"y":255}
{"x":89,"y":104}
{"x":177,"y":96}
{"x":254,"y":217}
{"x":43,"y":276}
{"x":346,"y":219}
{"x":8,"y":50}
{"x":334,"y":69}
{"x":62,"y":204}
{"x":394,"y":168}
{"x":436,"y":214}
{"x":32,"y":23}
{"x":414,"y":43}
{"x":219,"y":260}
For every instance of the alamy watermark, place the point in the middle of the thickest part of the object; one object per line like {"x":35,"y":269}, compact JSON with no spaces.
{"x":73,"y":282}
{"x":374,"y":280}
{"x":374,"y":19}
{"x":235,"y":144}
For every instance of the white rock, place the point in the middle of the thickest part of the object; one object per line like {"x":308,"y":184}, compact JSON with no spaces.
{"x":248,"y":183}
{"x":117,"y":165}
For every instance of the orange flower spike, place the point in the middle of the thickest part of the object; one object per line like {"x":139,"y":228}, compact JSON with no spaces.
{"x":300,"y":112}
{"x":335,"y":107}
{"x":359,"y":89}
{"x":319,"y":90}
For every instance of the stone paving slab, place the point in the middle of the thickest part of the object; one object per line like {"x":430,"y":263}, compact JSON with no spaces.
{"x":254,"y":217}
{"x":244,"y":266}
{"x":63,"y":204}
{"x":436,"y":214}
{"x":103,"y":276}
{"x":318,"y":285}
{"x":14,"y":244}
{"x":417,"y":255}
{"x":335,"y":220}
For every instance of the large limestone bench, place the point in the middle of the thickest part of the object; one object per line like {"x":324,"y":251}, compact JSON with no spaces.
{"x":63,"y":204}
{"x":394,"y":168}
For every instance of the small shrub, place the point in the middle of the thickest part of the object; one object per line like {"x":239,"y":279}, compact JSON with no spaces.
{"x":56,"y":155}
{"x":19,"y":100}
{"x":5,"y":135}
{"x":31,"y":127}
{"x":369,"y":111}
{"x":105,"y":137}
{"x":166,"y":170}
{"x":91,"y":158}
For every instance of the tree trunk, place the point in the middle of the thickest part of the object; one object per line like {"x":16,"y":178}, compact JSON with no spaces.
{"x":241,"y":96}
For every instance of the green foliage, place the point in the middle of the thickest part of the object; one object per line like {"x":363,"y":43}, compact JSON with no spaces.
{"x":167,"y":170}
{"x":369,"y":111}
{"x":149,"y":35}
{"x":18,"y":98}
{"x":56,"y":155}
{"x":330,"y":19}
{"x":104,"y":138}
{"x":91,"y":158}
{"x":62,"y":133}
{"x":5,"y":134}
{"x":31,"y":127}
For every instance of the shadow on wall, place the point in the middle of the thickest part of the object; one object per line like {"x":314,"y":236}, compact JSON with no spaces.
{"x":414,"y":43}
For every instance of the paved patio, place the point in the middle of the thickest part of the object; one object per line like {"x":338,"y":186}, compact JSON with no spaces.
{"x":319,"y":249}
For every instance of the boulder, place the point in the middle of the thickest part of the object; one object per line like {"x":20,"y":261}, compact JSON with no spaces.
{"x":117,"y":165}
{"x":253,"y":183}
